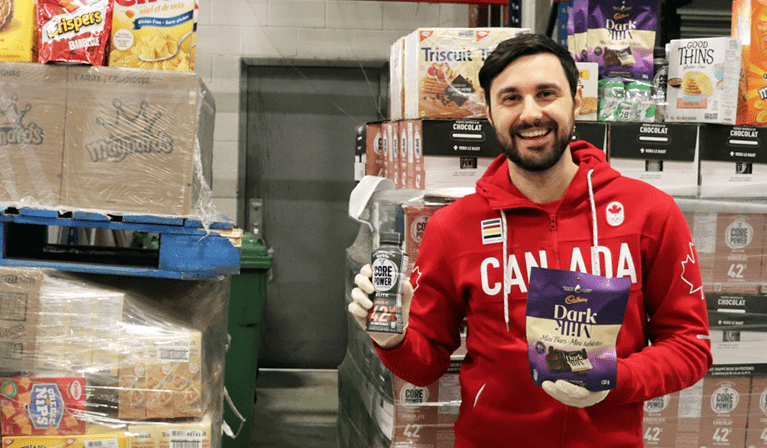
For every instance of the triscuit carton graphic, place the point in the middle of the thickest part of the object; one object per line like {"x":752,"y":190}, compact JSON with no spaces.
{"x":703,"y":79}
{"x":153,"y":35}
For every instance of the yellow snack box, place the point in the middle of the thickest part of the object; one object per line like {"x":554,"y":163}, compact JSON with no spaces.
{"x":17,"y":30}
{"x":153,"y":35}
{"x":76,"y":441}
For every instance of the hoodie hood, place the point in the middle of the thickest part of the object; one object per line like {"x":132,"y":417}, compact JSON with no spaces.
{"x":497,"y":189}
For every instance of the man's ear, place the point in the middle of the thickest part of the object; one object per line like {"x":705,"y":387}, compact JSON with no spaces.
{"x":577,"y":102}
{"x":489,"y":116}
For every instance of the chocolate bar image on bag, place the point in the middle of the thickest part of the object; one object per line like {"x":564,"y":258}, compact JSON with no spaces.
{"x":564,"y":361}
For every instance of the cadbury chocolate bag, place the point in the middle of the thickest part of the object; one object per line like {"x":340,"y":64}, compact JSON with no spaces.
{"x":573,"y":320}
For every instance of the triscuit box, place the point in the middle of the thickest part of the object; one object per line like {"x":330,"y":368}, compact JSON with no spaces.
{"x":32,"y":113}
{"x":153,"y":35}
{"x":41,"y":406}
{"x":588,"y":81}
{"x":452,"y":153}
{"x":69,"y":441}
{"x":663,"y":155}
{"x":17,"y":31}
{"x":131,"y":147}
{"x":703,"y":77}
{"x":733,"y":161}
{"x":441,"y":71}
{"x":20,"y":302}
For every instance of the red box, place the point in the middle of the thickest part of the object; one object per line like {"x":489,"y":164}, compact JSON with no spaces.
{"x":374,"y":158}
{"x":41,"y":406}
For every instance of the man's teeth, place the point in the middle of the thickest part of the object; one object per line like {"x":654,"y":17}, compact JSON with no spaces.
{"x":533,"y":134}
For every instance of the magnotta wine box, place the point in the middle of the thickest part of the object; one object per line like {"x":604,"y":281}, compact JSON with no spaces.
{"x":733,"y":161}
{"x":449,"y":153}
{"x":130,"y":140}
{"x":32,"y":111}
{"x":663,"y":155}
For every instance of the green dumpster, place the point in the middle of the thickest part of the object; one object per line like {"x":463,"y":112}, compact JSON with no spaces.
{"x":246,"y":309}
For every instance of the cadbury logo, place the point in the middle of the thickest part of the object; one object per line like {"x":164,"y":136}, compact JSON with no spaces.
{"x":575,"y":299}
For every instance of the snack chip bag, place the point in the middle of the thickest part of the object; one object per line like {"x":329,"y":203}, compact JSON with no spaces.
{"x":154,"y":35}
{"x":73,"y":30}
{"x":573,"y":321}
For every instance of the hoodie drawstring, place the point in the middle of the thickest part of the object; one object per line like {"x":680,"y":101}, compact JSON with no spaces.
{"x":596,"y":269}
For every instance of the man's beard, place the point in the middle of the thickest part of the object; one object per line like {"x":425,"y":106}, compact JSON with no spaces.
{"x":533,"y":164}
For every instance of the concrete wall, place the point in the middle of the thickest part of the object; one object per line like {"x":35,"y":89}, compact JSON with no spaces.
{"x":231,"y":31}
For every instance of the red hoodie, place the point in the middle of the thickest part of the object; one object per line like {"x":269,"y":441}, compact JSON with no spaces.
{"x":663,"y":344}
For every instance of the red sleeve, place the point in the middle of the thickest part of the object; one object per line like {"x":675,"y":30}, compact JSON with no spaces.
{"x":679,"y":351}
{"x":435,"y":314}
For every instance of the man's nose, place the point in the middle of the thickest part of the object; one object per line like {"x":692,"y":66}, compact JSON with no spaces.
{"x":531,"y":110}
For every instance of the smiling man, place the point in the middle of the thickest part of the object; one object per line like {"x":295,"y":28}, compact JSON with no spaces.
{"x":557,"y":205}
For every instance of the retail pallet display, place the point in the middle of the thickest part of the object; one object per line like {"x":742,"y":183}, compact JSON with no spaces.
{"x":186,"y":250}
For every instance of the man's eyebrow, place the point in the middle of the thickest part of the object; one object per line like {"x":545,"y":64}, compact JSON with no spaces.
{"x":538,"y":87}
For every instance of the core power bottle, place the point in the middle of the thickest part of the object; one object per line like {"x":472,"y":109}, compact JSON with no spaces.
{"x":389,"y":264}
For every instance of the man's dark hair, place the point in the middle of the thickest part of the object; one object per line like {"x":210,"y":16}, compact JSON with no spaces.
{"x":525,"y":45}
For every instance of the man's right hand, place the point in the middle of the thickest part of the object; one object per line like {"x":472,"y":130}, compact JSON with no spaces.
{"x":361,"y":305}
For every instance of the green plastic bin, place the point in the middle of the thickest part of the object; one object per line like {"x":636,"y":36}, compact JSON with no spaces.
{"x":246,"y":310}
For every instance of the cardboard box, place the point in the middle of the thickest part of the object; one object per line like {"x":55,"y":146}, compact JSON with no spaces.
{"x":17,"y":33}
{"x":757,"y":414}
{"x":32,"y":113}
{"x":703,"y":77}
{"x":733,"y":162}
{"x":131,"y":146}
{"x":170,"y":435}
{"x":588,"y":81}
{"x":416,"y":217}
{"x":660,"y":422}
{"x":452,"y":153}
{"x":360,"y":158}
{"x":396,"y":78}
{"x":69,"y":441}
{"x":729,"y":248}
{"x":725,"y":411}
{"x":20,"y":302}
{"x":405,"y":155}
{"x":441,"y":68}
{"x":749,"y":20}
{"x":374,"y":154}
{"x":663,"y":155}
{"x":42,"y":406}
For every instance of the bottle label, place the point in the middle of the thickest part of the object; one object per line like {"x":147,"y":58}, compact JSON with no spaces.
{"x":388,"y":274}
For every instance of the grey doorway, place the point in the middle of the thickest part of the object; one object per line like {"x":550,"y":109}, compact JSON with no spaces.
{"x":299,"y":162}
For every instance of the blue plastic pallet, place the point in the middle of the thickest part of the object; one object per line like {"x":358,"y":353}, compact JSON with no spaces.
{"x":186,"y":250}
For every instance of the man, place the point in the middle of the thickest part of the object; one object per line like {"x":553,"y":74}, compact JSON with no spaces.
{"x":560,"y":206}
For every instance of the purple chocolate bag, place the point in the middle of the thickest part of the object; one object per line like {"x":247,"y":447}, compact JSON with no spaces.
{"x":621,"y":37}
{"x":573,"y":320}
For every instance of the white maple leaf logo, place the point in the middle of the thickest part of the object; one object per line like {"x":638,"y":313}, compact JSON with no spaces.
{"x":417,"y":275}
{"x":691,"y":260}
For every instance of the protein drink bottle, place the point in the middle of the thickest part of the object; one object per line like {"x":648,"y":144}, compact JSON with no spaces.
{"x":389,"y":264}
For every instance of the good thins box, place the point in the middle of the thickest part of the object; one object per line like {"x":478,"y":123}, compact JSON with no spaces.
{"x":663,"y":155}
{"x":441,"y":66}
{"x":153,"y":35}
{"x":32,"y":112}
{"x":17,"y":32}
{"x":131,"y":146}
{"x":20,"y":302}
{"x":41,"y":406}
{"x":733,"y":162}
{"x":703,"y":77}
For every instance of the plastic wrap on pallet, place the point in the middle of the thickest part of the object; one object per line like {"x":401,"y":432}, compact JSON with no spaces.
{"x":85,"y":355}
{"x":106,"y":140}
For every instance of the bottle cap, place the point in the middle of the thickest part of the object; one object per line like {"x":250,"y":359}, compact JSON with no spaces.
{"x":391,"y":238}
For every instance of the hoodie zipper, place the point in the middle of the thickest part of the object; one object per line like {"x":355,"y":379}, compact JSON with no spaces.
{"x":553,"y":222}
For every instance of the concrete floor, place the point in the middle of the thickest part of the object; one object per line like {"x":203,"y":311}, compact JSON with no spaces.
{"x":295,"y":409}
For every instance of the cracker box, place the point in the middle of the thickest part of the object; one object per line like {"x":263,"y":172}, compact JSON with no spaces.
{"x":42,"y":406}
{"x":733,"y":162}
{"x":703,"y":77}
{"x":70,"y":441}
{"x":170,"y":435}
{"x":20,"y":305}
{"x":451,"y":153}
{"x":130,"y":148}
{"x":17,"y":31}
{"x":749,"y":26}
{"x":153,"y":34}
{"x":662,"y":154}
{"x":441,"y":70}
{"x":32,"y":112}
{"x":724,"y":412}
{"x":396,"y":76}
{"x":588,"y":81}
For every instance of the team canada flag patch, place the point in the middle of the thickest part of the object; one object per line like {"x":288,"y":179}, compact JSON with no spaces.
{"x":614,"y":214}
{"x":492,"y":231}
